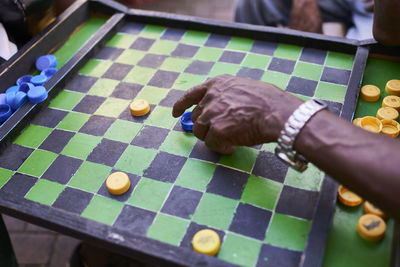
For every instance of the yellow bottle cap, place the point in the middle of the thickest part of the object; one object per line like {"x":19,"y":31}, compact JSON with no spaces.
{"x":393,"y":87}
{"x":348,"y":197}
{"x":371,"y":124}
{"x":390,"y":128}
{"x":207,"y":242}
{"x":357,"y":122}
{"x":387,"y":113}
{"x":391,"y":101}
{"x":370,"y":93}
{"x":371,"y":227}
{"x":139,"y":107}
{"x":118,"y":183}
{"x":369,"y":208}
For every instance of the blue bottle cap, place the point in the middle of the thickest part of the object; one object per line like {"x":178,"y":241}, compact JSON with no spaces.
{"x":10,"y":98}
{"x":37,"y":94}
{"x":48,"y":72}
{"x":19,"y":100}
{"x":5,"y":112}
{"x":14,"y":88}
{"x":3,"y":99}
{"x":39,"y":80}
{"x":25,"y":87}
{"x":45,"y":62}
{"x":186,"y":121}
{"x":24,"y":79}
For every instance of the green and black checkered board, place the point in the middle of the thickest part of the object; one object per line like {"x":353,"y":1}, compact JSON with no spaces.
{"x":261,"y":209}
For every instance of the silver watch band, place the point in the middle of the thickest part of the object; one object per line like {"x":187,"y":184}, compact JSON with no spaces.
{"x":284,"y":150}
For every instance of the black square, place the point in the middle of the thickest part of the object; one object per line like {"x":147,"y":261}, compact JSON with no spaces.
{"x":178,"y":127}
{"x":201,"y":151}
{"x":142,"y":44}
{"x":269,"y":166}
{"x":13,"y":156}
{"x":182,"y":202}
{"x":56,"y":141}
{"x":227,"y":182}
{"x":173,"y":34}
{"x":199,"y":67}
{"x":109,"y":53}
{"x":80,"y":83}
{"x":163,"y":79}
{"x":271,"y":256}
{"x":126,"y":90}
{"x":301,"y":86}
{"x":312,"y":55}
{"x":117,"y":71}
{"x":73,"y":200}
{"x":282,"y":65}
{"x":18,"y":185}
{"x":125,"y":196}
{"x":264,"y":48}
{"x":62,"y":169}
{"x":171,"y":98}
{"x":132,"y":27}
{"x":89,"y":104}
{"x":232,"y":57}
{"x":334,"y":107}
{"x":250,"y":221}
{"x":150,"y":137}
{"x":152,"y":61}
{"x":49,"y":117}
{"x":193,"y":229}
{"x":135,"y":220}
{"x":217,"y":40}
{"x":254,"y":74}
{"x":97,"y":125}
{"x":165,"y":167}
{"x":297,"y":202}
{"x":183,"y":50}
{"x":107,"y":152}
{"x":126,"y":115}
{"x":334,"y":75}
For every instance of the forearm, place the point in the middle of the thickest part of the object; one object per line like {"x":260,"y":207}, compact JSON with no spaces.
{"x":387,"y":22}
{"x":306,"y":16}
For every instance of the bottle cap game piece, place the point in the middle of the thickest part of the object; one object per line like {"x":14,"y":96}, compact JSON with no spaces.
{"x":5,"y":112}
{"x":371,"y":124}
{"x":186,"y":121}
{"x":370,"y":93}
{"x":348,"y":198}
{"x":24,"y":79}
{"x":39,"y":80}
{"x":25,"y":87}
{"x":369,"y":208}
{"x":357,"y":122}
{"x":391,"y":101}
{"x":387,"y":114}
{"x":118,"y":183}
{"x":45,"y":62}
{"x":393,"y":87}
{"x":14,"y":88}
{"x":139,"y":107}
{"x":390,"y":128}
{"x":371,"y":227}
{"x":3,"y":99}
{"x":37,"y":94}
{"x":206,"y":242}
{"x":48,"y":72}
{"x":10,"y":96}
{"x":19,"y":100}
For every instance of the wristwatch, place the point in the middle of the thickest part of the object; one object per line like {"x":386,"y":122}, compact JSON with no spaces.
{"x":284,"y":150}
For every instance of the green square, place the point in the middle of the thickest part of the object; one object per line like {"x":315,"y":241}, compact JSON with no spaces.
{"x":186,"y":81}
{"x":310,"y":179}
{"x":103,"y":87}
{"x":45,"y":192}
{"x":112,"y":107}
{"x":208,"y":54}
{"x":152,"y":31}
{"x":103,"y":209}
{"x":215,"y":211}
{"x":73,"y":121}
{"x":37,"y":163}
{"x":254,"y":192}
{"x":66,"y":100}
{"x":288,"y":232}
{"x":135,"y":159}
{"x":81,"y":145}
{"x":90,"y":176}
{"x":243,"y":158}
{"x":176,"y":229}
{"x":123,"y":131}
{"x":130,"y":57}
{"x":179,"y":143}
{"x":240,"y":250}
{"x":146,"y":188}
{"x":161,"y":117}
{"x":339,"y":60}
{"x":331,"y":92}
{"x":308,"y":71}
{"x":152,"y":94}
{"x":196,"y":174}
{"x":288,"y":51}
{"x":33,"y":136}
{"x":224,"y":68}
{"x":5,"y":175}
{"x":255,"y":61}
{"x":163,"y":47}
{"x":240,"y":43}
{"x":270,"y":147}
{"x":302,"y":97}
{"x":278,"y":79}
{"x":175,"y":64}
{"x":139,"y":75}
{"x":121,"y":40}
{"x":95,"y":68}
{"x":194,"y":37}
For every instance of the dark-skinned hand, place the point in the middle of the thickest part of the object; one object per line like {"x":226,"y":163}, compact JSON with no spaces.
{"x":233,"y":111}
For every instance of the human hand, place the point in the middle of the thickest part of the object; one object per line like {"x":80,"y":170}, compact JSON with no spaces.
{"x":370,"y":7}
{"x":305,"y":16}
{"x":234,"y":111}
